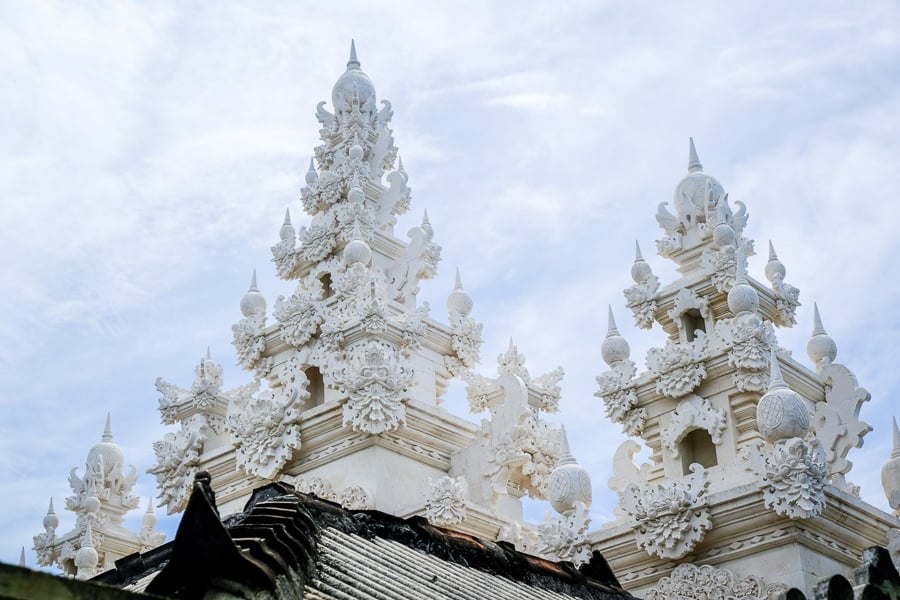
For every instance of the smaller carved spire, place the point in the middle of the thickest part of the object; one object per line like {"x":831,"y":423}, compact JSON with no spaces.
{"x":51,"y":521}
{"x":821,"y":348}
{"x":565,"y":456}
{"x":400,"y":164}
{"x":772,"y":255}
{"x":615,"y":348}
{"x":86,"y":558}
{"x":107,"y":431}
{"x":776,"y":380}
{"x":426,"y":226}
{"x":742,"y":297}
{"x":781,"y":412}
{"x":895,"y":453}
{"x":694,"y":163}
{"x":640,"y":269}
{"x":353,"y":63}
{"x":22,"y":558}
{"x":459,"y":303}
{"x":253,"y":304}
{"x":311,"y":175}
{"x":569,"y":482}
{"x":287,"y":232}
{"x":775,"y":270}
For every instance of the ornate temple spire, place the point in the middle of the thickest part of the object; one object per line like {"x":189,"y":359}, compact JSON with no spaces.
{"x":107,"y":431}
{"x":781,"y":413}
{"x":694,"y":163}
{"x":614,"y":348}
{"x":353,"y":63}
{"x":253,"y":304}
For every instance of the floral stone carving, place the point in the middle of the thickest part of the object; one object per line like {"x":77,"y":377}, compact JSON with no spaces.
{"x":315,"y":486}
{"x":693,"y":412}
{"x":693,"y":582}
{"x":356,"y":497}
{"x":300,"y":315}
{"x":792,"y":474}
{"x":669,"y":518}
{"x":375,"y":378}
{"x":641,"y":299}
{"x":565,"y":537}
{"x":620,"y":398}
{"x":446,"y":503}
{"x":749,"y":341}
{"x":177,"y":457}
{"x":265,"y":427}
{"x":678,"y":368}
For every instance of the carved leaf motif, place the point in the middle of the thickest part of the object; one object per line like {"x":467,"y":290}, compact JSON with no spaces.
{"x":177,"y":457}
{"x":565,"y":537}
{"x":691,"y":582}
{"x":446,"y":502}
{"x":299,"y":315}
{"x":792,"y":474}
{"x":678,"y":368}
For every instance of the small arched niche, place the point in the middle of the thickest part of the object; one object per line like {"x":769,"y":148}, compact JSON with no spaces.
{"x":316,"y":387}
{"x":697,"y":447}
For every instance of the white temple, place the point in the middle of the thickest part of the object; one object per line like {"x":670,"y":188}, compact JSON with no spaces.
{"x":746,"y":493}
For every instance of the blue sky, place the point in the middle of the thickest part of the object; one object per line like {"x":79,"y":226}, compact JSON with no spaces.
{"x":148,"y":152}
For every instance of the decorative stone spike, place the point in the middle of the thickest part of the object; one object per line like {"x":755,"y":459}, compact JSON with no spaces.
{"x":86,"y":557}
{"x":614,"y":348}
{"x":640,"y":269}
{"x":107,"y":431}
{"x":22,"y":557}
{"x":311,"y":175}
{"x":459,"y":303}
{"x":253,"y":304}
{"x":353,"y":63}
{"x":821,"y":348}
{"x":742,"y":297}
{"x":890,"y":473}
{"x":569,"y":481}
{"x":694,"y":163}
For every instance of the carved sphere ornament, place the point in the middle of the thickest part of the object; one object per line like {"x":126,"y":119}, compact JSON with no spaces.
{"x":569,"y":483}
{"x":641,"y":271}
{"x":692,"y":192}
{"x":459,"y":302}
{"x":723,"y":235}
{"x":614,"y":349}
{"x":781,"y":412}
{"x":742,"y":298}
{"x":357,"y":251}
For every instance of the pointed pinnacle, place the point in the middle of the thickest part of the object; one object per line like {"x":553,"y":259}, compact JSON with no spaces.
{"x":896,"y":451}
{"x":253,"y":287}
{"x":400,"y":165}
{"x":353,"y":63}
{"x":22,"y":557}
{"x":312,"y":165}
{"x":88,"y":540}
{"x":50,"y":510}
{"x":208,"y":354}
{"x":565,"y":456}
{"x":458,"y":284}
{"x":287,"y":216}
{"x":107,"y":431}
{"x":637,"y":252}
{"x":425,"y":220}
{"x":611,"y":329}
{"x":512,"y":346}
{"x":694,"y":163}
{"x":772,"y":255}
{"x":150,"y":505}
{"x":775,"y":379}
{"x":818,"y":328}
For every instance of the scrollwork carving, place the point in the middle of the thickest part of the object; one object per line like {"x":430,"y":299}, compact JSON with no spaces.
{"x":792,"y":475}
{"x":692,"y":582}
{"x":678,"y":368}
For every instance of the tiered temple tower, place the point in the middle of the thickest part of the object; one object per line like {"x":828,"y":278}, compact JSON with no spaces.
{"x":349,"y":370}
{"x":101,"y":498}
{"x":747,"y":480}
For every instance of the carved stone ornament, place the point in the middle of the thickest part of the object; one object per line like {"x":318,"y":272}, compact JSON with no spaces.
{"x":375,"y":377}
{"x":465,"y":338}
{"x":836,"y":421}
{"x":787,"y":297}
{"x":356,"y":497}
{"x":792,"y":475}
{"x":678,"y":368}
{"x":299,"y":316}
{"x":671,"y":518}
{"x":532,"y":447}
{"x":565,"y":537}
{"x":316,"y":486}
{"x":749,"y":341}
{"x":177,"y":457}
{"x":446,"y":503}
{"x":626,"y":472}
{"x":249,"y":342}
{"x":693,"y":412}
{"x":701,"y":582}
{"x":686,"y":300}
{"x":720,"y":265}
{"x":641,"y":299}
{"x":265,"y":427}
{"x":620,"y":398}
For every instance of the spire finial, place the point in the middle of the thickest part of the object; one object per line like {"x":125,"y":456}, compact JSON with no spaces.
{"x":818,"y":328}
{"x":565,"y":456}
{"x":772,"y":255}
{"x":353,"y":63}
{"x":287,"y":216}
{"x":896,"y":451}
{"x":775,"y":379}
{"x":694,"y":163}
{"x":107,"y":430}
{"x":400,"y":164}
{"x":611,"y":329}
{"x":50,"y":510}
{"x":22,"y":557}
{"x":253,"y":286}
{"x":208,"y":355}
{"x":637,"y":252}
{"x":458,"y":285}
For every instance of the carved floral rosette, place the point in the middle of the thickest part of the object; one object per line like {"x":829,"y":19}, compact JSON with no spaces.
{"x":692,"y":582}
{"x":641,"y":299}
{"x":465,"y":339}
{"x":565,"y":537}
{"x":671,"y":518}
{"x":177,"y":457}
{"x":249,"y":342}
{"x":446,"y":502}
{"x":678,"y":367}
{"x":315,"y":486}
{"x":265,"y":427}
{"x":299,"y":316}
{"x":792,"y":475}
{"x":375,"y":376}
{"x":356,"y":497}
{"x":721,"y":267}
{"x":620,"y":398}
{"x":749,"y":341}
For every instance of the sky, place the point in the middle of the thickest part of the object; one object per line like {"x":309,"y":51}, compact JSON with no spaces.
{"x":148,"y":151}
